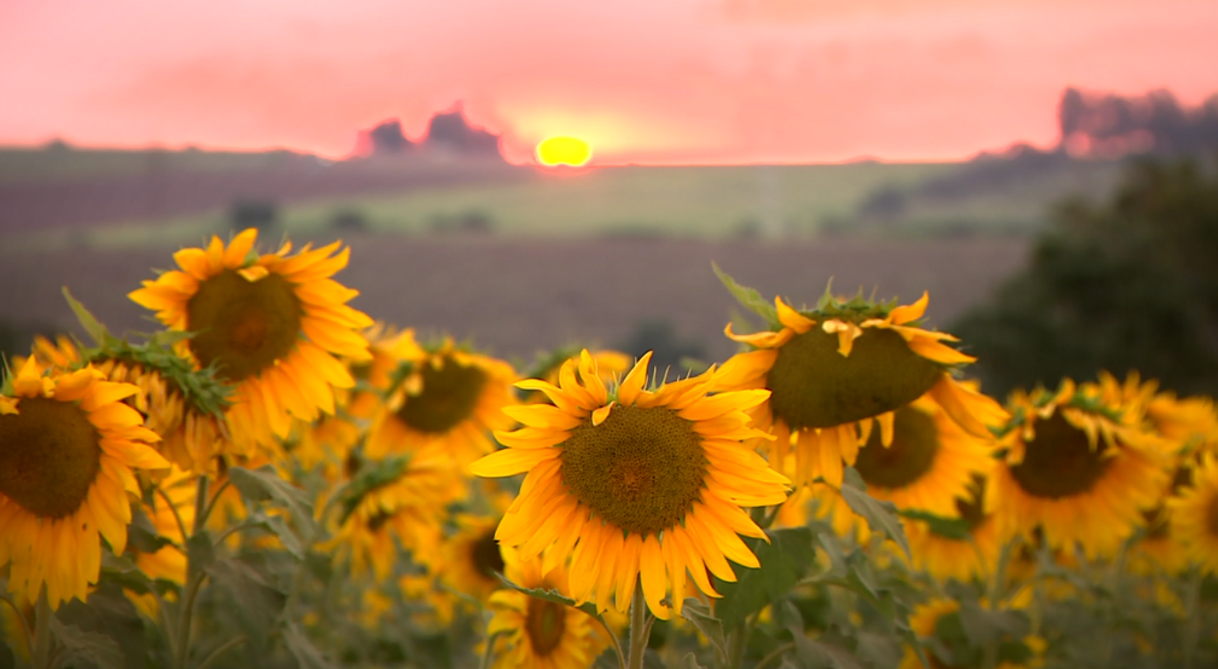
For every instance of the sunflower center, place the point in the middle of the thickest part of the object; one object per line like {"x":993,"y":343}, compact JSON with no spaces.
{"x":545,"y":622}
{"x":450,"y":395}
{"x":243,"y":326}
{"x":640,"y":470}
{"x":813,"y":385}
{"x":486,"y":556}
{"x":378,"y":520}
{"x":915,"y":442}
{"x":49,"y":456}
{"x":1059,"y":461}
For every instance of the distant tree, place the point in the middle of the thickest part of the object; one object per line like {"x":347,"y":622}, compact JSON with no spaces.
{"x":1112,"y":125}
{"x":253,"y":213}
{"x":387,"y":138}
{"x":451,"y":131}
{"x":1127,"y":284}
{"x":669,"y":351}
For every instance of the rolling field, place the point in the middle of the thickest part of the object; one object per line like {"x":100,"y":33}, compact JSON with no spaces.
{"x":516,"y":297}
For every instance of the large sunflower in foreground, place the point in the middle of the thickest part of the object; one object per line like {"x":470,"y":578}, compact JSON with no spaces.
{"x":539,"y":633}
{"x":449,"y":398}
{"x":1194,"y":516}
{"x":835,"y":371}
{"x":634,"y":485}
{"x":68,"y":448}
{"x":271,"y":324}
{"x":1077,"y":468}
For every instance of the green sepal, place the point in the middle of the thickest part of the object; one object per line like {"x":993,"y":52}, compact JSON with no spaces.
{"x":369,"y":479}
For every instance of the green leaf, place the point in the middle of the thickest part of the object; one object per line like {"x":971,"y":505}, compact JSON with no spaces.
{"x":950,"y":528}
{"x":7,"y":658}
{"x":96,"y":330}
{"x":258,"y":602}
{"x":749,"y":298}
{"x":121,"y":570}
{"x":200,"y":550}
{"x":880,"y":516}
{"x":278,"y":526}
{"x":302,"y":648}
{"x":810,"y":654}
{"x":79,"y":647}
{"x":984,"y":627}
{"x":784,"y":561}
{"x":264,"y":483}
{"x":553,"y":596}
{"x":700,"y":616}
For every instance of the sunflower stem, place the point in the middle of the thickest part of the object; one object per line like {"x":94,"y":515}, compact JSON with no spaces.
{"x":173,"y":508}
{"x":215,"y":654}
{"x":201,"y":505}
{"x":1191,"y":602}
{"x":775,"y":654}
{"x":25,"y":625}
{"x":488,"y":655}
{"x":41,"y":652}
{"x":640,"y":628}
{"x":211,"y":505}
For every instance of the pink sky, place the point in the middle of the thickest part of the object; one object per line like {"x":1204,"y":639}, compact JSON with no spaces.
{"x":674,"y":81}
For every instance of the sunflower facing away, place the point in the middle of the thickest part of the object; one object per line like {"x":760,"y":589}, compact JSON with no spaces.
{"x":68,"y":448}
{"x":835,"y":371}
{"x":1194,"y":516}
{"x":638,"y":484}
{"x":540,"y":633}
{"x":451,"y":399}
{"x":1081,"y":470}
{"x":190,"y":436}
{"x":272,"y":325}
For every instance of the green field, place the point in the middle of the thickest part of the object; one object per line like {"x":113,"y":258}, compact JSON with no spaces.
{"x":695,"y":202}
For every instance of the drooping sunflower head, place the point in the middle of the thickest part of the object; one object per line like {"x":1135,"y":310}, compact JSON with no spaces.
{"x":445,"y":398}
{"x":634,"y":484}
{"x":538,"y":632}
{"x":1077,"y":468}
{"x":835,"y":369}
{"x":1186,"y":424}
{"x":182,"y":405}
{"x":68,"y":449}
{"x":270,"y":325}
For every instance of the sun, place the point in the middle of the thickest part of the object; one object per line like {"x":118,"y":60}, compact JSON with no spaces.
{"x":563,"y":150}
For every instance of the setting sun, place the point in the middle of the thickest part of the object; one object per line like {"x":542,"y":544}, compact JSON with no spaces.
{"x":563,"y":151}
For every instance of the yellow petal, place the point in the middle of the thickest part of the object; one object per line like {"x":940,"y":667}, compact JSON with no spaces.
{"x":511,"y":461}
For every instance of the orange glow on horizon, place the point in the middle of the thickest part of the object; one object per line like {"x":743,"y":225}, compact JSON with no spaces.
{"x":563,"y":150}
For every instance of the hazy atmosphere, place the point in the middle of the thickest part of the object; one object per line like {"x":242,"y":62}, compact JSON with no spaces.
{"x":711,"y":334}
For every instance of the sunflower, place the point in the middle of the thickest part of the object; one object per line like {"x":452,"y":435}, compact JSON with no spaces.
{"x":191,"y":436}
{"x":938,"y":626}
{"x":270,"y":324}
{"x":540,"y":633}
{"x":634,"y":484}
{"x":407,"y":511}
{"x":928,"y":466}
{"x":964,"y":557}
{"x":835,"y":371}
{"x":611,"y":365}
{"x":1078,"y":468}
{"x":68,"y":448}
{"x":1194,"y":516}
{"x":473,"y":559}
{"x":451,"y":399}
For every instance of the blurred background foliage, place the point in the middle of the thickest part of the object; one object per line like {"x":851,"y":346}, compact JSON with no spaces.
{"x":1125,"y":284}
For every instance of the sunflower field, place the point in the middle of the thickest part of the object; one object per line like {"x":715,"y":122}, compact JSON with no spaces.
{"x":275,"y":479}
